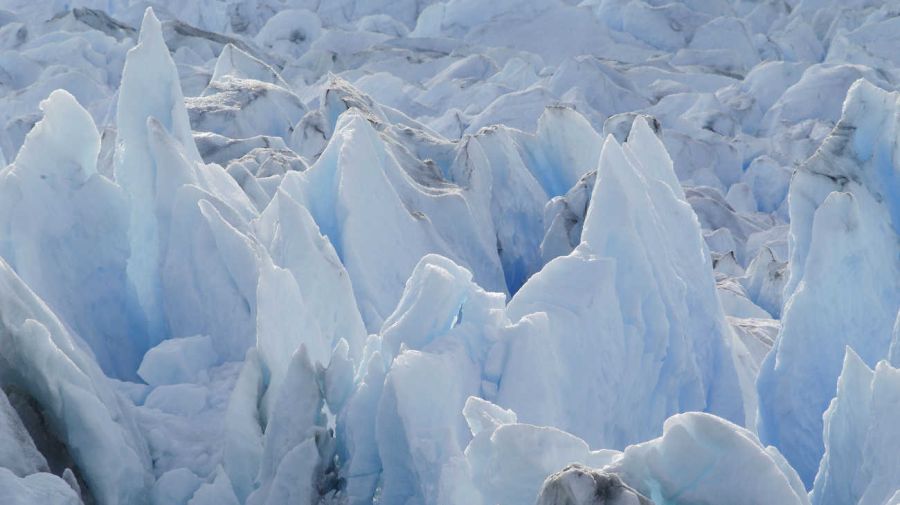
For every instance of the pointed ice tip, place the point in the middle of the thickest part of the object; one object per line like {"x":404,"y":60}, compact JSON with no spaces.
{"x":57,"y":98}
{"x":64,"y":139}
{"x":610,"y":154}
{"x":839,"y":211}
{"x":610,"y":139}
{"x":151,"y":28}
{"x":855,"y":374}
{"x":884,"y":366}
{"x":852,"y":361}
{"x":644,"y":125}
{"x":860,"y":93}
{"x":850,"y":354}
{"x":354,"y":119}
{"x":302,"y":354}
{"x":612,"y":161}
{"x":483,"y":415}
{"x":862,"y":85}
{"x":560,"y":112}
{"x":641,"y":132}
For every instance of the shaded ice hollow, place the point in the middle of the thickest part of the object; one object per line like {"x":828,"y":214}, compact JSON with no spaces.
{"x":256,"y":252}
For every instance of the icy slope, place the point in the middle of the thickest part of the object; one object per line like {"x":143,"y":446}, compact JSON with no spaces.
{"x":262,"y":252}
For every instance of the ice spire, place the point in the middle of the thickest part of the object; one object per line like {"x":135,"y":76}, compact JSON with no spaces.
{"x":66,"y":234}
{"x":844,"y":286}
{"x":150,"y":88}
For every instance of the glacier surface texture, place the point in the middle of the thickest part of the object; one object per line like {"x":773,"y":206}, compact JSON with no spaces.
{"x":449,"y":252}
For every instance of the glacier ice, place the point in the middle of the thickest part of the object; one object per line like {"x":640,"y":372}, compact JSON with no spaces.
{"x":243,"y":431}
{"x":234,"y":62}
{"x":449,"y":340}
{"x":136,"y":165}
{"x":210,"y":272}
{"x":239,"y":107}
{"x":859,"y":434}
{"x":58,"y":376}
{"x":18,"y":453}
{"x":693,"y":463}
{"x":764,"y":281}
{"x":178,"y":360}
{"x":662,"y":470}
{"x":503,"y":466}
{"x":295,"y":244}
{"x":448,"y":252}
{"x":423,"y":210}
{"x":436,"y":330}
{"x":842,"y":289}
{"x":636,"y":202}
{"x":290,"y":453}
{"x":219,"y":491}
{"x":44,"y":488}
{"x":76,"y":241}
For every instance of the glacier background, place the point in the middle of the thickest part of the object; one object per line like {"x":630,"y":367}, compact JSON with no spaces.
{"x":270,"y":252}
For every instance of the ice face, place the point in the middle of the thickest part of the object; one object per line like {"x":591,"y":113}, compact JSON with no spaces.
{"x":66,"y":234}
{"x":504,"y":468}
{"x":18,"y":453}
{"x":36,"y":488}
{"x":243,"y":432}
{"x":222,"y":300}
{"x":425,"y":218}
{"x":448,"y":340}
{"x":438,"y":335}
{"x":294,"y":241}
{"x":289,"y":441}
{"x":42,"y":359}
{"x":234,"y":62}
{"x":843,"y":234}
{"x":150,"y":89}
{"x":219,"y":491}
{"x":856,"y":467}
{"x":633,"y":210}
{"x":239,"y":107}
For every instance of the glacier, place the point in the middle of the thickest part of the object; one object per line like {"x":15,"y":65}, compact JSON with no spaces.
{"x":449,"y":252}
{"x":857,"y":435}
{"x":844,"y":256}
